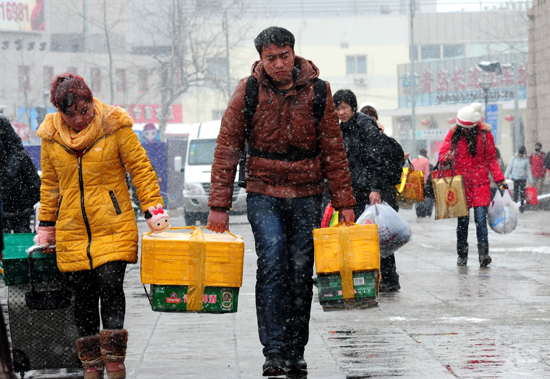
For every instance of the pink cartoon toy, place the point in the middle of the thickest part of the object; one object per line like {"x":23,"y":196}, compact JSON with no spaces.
{"x":160,"y":221}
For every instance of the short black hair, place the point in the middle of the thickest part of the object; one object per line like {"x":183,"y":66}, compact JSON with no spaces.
{"x":274,"y":35}
{"x":345,"y":96}
{"x":522,"y":150}
{"x":538,"y":144}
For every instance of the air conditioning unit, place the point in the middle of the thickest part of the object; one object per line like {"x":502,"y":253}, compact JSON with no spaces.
{"x":360,"y":81}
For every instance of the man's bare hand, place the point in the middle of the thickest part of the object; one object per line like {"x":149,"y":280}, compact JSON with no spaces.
{"x":218,"y":221}
{"x":348,"y":216}
{"x":375,"y":198}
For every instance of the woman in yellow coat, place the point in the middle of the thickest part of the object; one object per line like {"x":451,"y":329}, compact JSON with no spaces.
{"x":85,"y":210}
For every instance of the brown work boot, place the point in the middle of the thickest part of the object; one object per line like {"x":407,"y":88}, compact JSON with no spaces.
{"x":113,"y":350}
{"x":89,"y":353}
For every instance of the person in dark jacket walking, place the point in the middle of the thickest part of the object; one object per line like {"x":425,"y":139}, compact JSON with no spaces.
{"x":289,"y":157}
{"x":370,"y":169}
{"x":20,"y":184}
{"x":6,"y":364}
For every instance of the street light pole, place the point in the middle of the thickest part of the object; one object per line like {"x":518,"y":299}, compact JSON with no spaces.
{"x":486,"y":86}
{"x":413,"y":81}
{"x":518,"y":133}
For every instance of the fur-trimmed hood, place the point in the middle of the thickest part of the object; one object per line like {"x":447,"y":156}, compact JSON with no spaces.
{"x":482,"y":126}
{"x":114,"y":118}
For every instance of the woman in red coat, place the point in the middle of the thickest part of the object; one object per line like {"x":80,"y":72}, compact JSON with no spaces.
{"x":470,"y":148}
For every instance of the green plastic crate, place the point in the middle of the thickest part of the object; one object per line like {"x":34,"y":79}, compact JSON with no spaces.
{"x":174,"y":299}
{"x":16,"y":263}
{"x":364,"y":286}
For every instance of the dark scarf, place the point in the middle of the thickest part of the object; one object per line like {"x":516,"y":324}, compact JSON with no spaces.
{"x":471,"y":139}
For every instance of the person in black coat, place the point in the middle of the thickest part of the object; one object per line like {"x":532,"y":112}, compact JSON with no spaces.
{"x":6,"y":365}
{"x":370,"y":168}
{"x":20,"y":184}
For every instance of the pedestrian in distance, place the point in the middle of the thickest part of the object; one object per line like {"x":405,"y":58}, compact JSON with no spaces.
{"x":375,"y":162}
{"x":519,"y":170}
{"x":368,"y":109}
{"x":85,"y":210}
{"x":422,"y":163}
{"x":538,"y":171}
{"x":469,"y":148}
{"x":20,"y":184}
{"x":290,"y":153}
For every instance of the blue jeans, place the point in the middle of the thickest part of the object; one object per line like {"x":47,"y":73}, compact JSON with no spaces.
{"x":282,"y":231}
{"x":480,"y":218}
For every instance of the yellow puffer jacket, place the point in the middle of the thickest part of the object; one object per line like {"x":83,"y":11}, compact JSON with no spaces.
{"x":88,"y":197}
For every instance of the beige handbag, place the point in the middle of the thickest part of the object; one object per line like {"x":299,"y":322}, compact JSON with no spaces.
{"x":450,"y":195}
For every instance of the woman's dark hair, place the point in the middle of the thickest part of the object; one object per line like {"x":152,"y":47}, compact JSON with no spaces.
{"x":471,"y":139}
{"x":67,"y":90}
{"x":345,"y":96}
{"x":369,"y":111}
{"x":522,"y":150}
{"x":274,"y":35}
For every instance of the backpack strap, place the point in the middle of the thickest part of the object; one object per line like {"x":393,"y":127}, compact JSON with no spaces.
{"x":319,"y":100}
{"x":251,"y":98}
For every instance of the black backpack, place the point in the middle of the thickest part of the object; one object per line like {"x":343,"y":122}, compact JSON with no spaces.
{"x":394,"y":159}
{"x":547,"y":161}
{"x":251,"y":99}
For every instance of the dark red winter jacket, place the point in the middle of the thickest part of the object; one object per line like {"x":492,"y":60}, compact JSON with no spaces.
{"x":537,"y":165}
{"x":476,"y":168}
{"x":279,"y":123}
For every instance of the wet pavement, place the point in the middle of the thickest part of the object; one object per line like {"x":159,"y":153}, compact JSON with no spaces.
{"x":445,"y":322}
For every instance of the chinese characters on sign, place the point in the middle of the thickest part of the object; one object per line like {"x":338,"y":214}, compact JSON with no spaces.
{"x":145,"y":113}
{"x":457,"y":81}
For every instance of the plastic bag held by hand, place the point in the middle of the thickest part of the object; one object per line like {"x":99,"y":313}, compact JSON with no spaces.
{"x":503,"y":213}
{"x":45,"y":235}
{"x":160,"y":221}
{"x":393,"y":230}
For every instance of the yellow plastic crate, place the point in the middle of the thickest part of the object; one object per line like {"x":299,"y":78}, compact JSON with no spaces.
{"x":346,"y":250}
{"x":192,"y":259}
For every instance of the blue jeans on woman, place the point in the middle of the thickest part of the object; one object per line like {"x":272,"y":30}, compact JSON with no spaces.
{"x":480,"y":218}
{"x":283,"y":236}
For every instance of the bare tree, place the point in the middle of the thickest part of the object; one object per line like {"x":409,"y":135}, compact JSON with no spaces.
{"x":192,"y":41}
{"x":104,"y":20}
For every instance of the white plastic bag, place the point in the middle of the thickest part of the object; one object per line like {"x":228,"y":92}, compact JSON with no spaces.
{"x":393,"y":230}
{"x":503,"y":213}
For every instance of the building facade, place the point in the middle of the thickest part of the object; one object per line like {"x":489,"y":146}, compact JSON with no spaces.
{"x":538,"y":88}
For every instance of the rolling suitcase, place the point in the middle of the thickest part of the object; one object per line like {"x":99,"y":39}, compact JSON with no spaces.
{"x":41,"y":311}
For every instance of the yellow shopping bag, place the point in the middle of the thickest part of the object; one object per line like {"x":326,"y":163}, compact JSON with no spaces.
{"x":411,"y":188}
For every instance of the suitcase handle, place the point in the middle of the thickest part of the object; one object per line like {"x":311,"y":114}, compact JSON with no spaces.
{"x":45,"y":300}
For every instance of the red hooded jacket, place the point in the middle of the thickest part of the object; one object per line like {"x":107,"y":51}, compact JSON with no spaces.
{"x":474,"y":168}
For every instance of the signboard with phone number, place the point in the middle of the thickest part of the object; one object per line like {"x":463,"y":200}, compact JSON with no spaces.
{"x":22,"y":15}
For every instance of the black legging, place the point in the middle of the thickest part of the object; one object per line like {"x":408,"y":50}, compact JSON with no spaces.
{"x":519,"y":190}
{"x":105,"y":283}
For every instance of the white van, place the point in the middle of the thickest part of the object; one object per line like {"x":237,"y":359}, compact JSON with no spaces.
{"x":197,"y":169}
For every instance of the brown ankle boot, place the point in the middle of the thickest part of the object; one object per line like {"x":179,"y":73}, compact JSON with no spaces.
{"x":113,"y":350}
{"x":89,"y":353}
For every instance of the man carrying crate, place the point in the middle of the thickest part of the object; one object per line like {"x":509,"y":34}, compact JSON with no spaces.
{"x":286,"y":117}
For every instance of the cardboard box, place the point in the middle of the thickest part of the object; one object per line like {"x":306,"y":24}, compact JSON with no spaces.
{"x":365,"y":289}
{"x":347,"y":261}
{"x":174,"y":299}
{"x":193,"y":259}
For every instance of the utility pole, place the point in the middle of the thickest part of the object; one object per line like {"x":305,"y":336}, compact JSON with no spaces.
{"x":226,"y":30}
{"x":413,"y":81}
{"x":519,"y":138}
